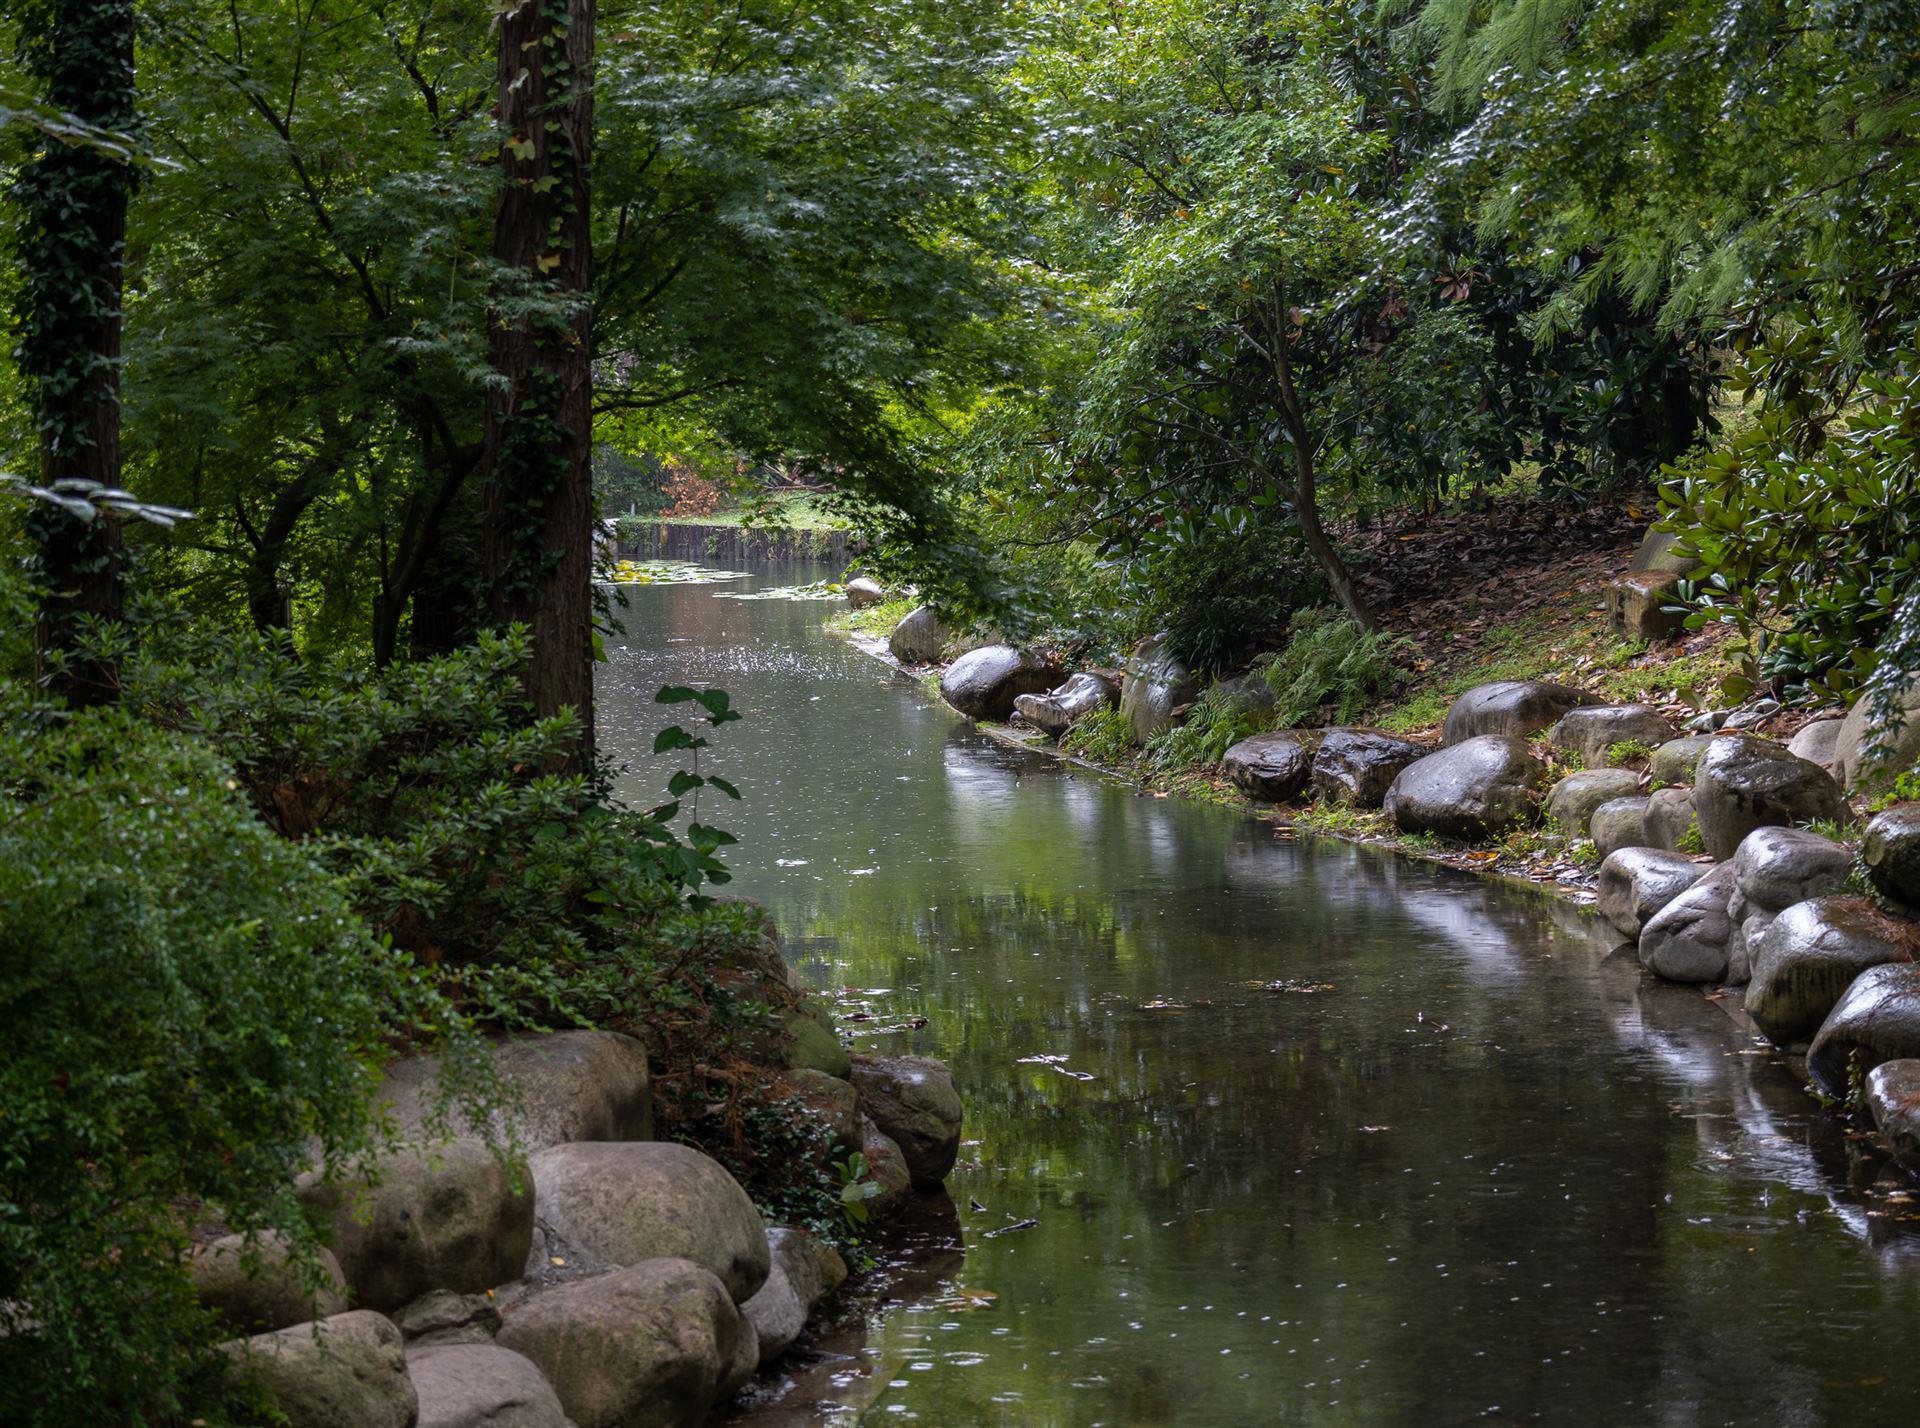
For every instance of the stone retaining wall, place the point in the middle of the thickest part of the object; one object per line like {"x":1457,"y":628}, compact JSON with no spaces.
{"x":737,"y":545}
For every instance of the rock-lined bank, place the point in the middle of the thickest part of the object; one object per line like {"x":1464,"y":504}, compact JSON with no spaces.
{"x":1705,"y":862}
{"x":593,"y":1276}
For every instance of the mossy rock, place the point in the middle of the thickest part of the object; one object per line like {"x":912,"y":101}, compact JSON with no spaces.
{"x":815,"y":1047}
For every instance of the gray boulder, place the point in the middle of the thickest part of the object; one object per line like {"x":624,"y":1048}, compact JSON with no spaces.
{"x":1358,"y":766}
{"x":863,"y":591}
{"x":1156,"y":687}
{"x":482,"y":1386}
{"x":1511,"y":707}
{"x":831,"y":1103}
{"x":650,"y":1346}
{"x":1669,"y":818}
{"x":887,"y":1168}
{"x":912,"y":1100}
{"x":1476,"y":789}
{"x":1590,"y":732}
{"x":1675,"y":760}
{"x":261,"y":1286}
{"x":1876,"y":1020}
{"x":447,"y":1216}
{"x":1778,"y":867}
{"x":1057,"y":712}
{"x":1271,"y":766}
{"x":1893,"y":1095}
{"x":1572,"y":801}
{"x":1636,"y":883}
{"x":802,"y":1275}
{"x":623,"y":1202}
{"x":1744,"y":782}
{"x":1890,"y":849}
{"x":983,"y":683}
{"x":918,"y":639}
{"x":815,"y":1047}
{"x":1619,"y":823}
{"x":1811,"y":953}
{"x":347,"y":1369}
{"x":1818,"y":742}
{"x":1247,"y":693}
{"x":1871,"y":749}
{"x":1691,"y":939}
{"x":442,"y":1317}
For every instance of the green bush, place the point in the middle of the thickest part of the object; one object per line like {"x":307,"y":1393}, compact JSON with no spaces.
{"x":1102,"y":737}
{"x":1215,"y":724}
{"x":1329,"y":659}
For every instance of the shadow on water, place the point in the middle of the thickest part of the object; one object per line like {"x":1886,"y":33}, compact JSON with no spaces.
{"x":1311,"y":1133}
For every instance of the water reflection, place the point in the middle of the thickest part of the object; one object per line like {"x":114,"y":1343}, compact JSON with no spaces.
{"x":1462,"y":1161}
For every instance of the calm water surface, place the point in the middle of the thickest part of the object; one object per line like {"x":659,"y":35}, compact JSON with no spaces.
{"x":1310,"y":1134}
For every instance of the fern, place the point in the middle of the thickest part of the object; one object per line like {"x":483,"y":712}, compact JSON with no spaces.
{"x":1329,"y":658}
{"x":1215,"y":724}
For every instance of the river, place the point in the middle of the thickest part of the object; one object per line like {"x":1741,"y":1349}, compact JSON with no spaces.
{"x":1309,"y":1133}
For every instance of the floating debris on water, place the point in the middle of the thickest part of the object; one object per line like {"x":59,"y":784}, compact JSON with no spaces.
{"x":1011,"y":1229}
{"x":1289,"y":984}
{"x":818,"y":590}
{"x":669,"y":572}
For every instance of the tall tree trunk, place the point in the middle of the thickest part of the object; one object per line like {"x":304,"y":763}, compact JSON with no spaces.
{"x":71,"y":242}
{"x":539,"y":492}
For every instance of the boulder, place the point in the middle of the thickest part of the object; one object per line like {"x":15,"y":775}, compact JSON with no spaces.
{"x":1670,"y":818}
{"x":1270,"y":766}
{"x":1638,"y":601}
{"x":1872,"y":749}
{"x":1811,"y":954}
{"x":918,"y":639}
{"x":815,"y":1047}
{"x":624,"y":1202}
{"x":1572,"y":801}
{"x":1476,"y":789}
{"x":1691,"y":939}
{"x":912,"y":1100}
{"x":1057,"y":712}
{"x":349,"y":1368}
{"x":1247,"y":693}
{"x":863,"y":591}
{"x":1619,"y":823}
{"x":564,"y":1085}
{"x":1890,"y":849}
{"x":983,"y":683}
{"x":887,"y":1168}
{"x":447,"y":1216}
{"x":1675,"y":760}
{"x":1778,"y":867}
{"x":442,"y":1317}
{"x":482,"y":1386}
{"x":1357,"y":766}
{"x":261,"y":1286}
{"x":830,"y":1103}
{"x":649,"y":1346}
{"x":1156,"y":687}
{"x":1744,"y":782}
{"x":1590,"y":732}
{"x":1511,"y":707}
{"x":1893,"y":1095}
{"x":1818,"y":742}
{"x":798,"y":1280}
{"x":1877,"y":1019}
{"x":1636,"y":883}
{"x":740,"y":1368}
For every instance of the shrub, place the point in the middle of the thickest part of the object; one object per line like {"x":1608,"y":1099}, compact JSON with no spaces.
{"x":1329,"y":659}
{"x":1215,"y":724}
{"x":1102,"y":737}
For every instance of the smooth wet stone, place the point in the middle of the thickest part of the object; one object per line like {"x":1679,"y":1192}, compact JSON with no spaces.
{"x":1872,"y":749}
{"x":863,"y":591}
{"x":1636,"y":883}
{"x":1572,"y":801}
{"x":912,"y":1099}
{"x":1893,"y":1095}
{"x":1818,"y":742}
{"x":1675,"y":760}
{"x":1619,"y":823}
{"x":887,"y":1168}
{"x":1876,"y":1020}
{"x":1691,"y":938}
{"x":1591,"y":732}
{"x":830,"y":1102}
{"x":1510,"y":707}
{"x":1059,"y":711}
{"x":1744,"y":782}
{"x":1810,"y":953}
{"x":1477,"y":789}
{"x":654,"y":1345}
{"x":442,"y":1317}
{"x":347,"y":1369}
{"x":918,"y":639}
{"x":262,"y":1287}
{"x":804,"y":1271}
{"x":1157,"y":687}
{"x":1246,"y":693}
{"x":1270,"y":766}
{"x":1670,"y":818}
{"x":1357,"y":766}
{"x":482,"y":1386}
{"x":983,"y":683}
{"x":814,"y":1047}
{"x":1778,"y":867}
{"x":622,"y":1203}
{"x":1890,"y":850}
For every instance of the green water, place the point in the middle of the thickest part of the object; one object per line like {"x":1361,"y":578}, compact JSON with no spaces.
{"x":1472,"y":1167}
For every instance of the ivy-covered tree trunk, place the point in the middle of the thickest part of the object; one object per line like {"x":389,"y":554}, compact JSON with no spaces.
{"x":539,"y":494}
{"x":70,"y":239}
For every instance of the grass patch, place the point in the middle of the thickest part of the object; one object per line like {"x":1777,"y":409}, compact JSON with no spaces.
{"x":877,"y":620}
{"x":787,"y":510}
